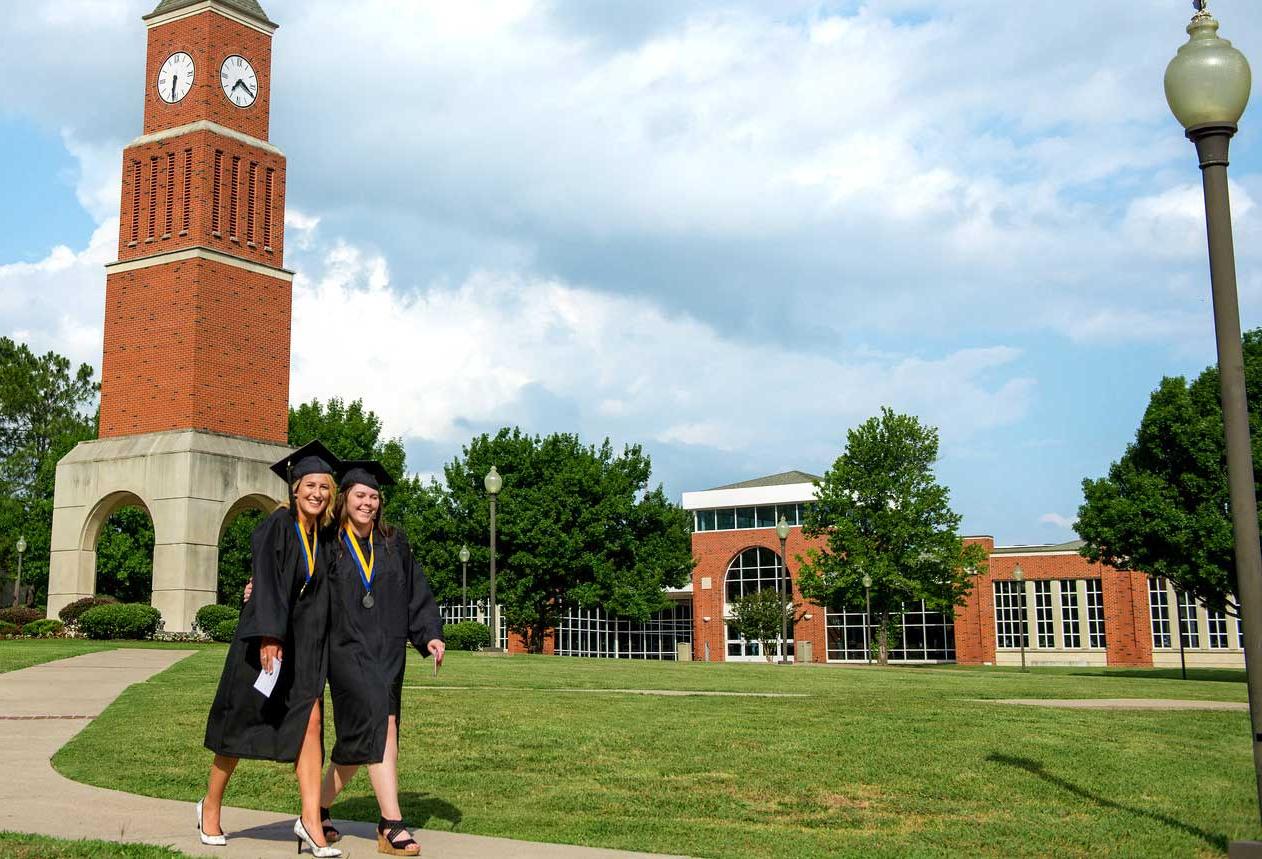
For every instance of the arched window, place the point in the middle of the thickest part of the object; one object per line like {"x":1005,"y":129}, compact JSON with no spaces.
{"x":753,"y":570}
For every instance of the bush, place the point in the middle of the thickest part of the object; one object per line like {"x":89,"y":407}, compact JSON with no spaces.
{"x":47,"y":628}
{"x":20,"y":615}
{"x":225,"y":630}
{"x":70,"y":614}
{"x":210,"y":616}
{"x":467,"y":635}
{"x":7,"y":628}
{"x":120,"y":620}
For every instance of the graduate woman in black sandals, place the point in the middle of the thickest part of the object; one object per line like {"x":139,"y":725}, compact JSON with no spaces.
{"x":380,"y":602}
{"x":284,"y":628}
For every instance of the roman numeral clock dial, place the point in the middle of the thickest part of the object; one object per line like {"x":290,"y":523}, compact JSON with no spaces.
{"x":175,"y":78}
{"x":240,"y":83}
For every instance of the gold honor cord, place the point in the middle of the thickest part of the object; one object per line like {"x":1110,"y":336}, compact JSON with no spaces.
{"x":309,"y":550}
{"x":365,"y":567}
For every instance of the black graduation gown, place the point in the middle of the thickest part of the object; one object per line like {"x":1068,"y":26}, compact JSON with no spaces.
{"x":368,"y":646}
{"x":242,"y":722}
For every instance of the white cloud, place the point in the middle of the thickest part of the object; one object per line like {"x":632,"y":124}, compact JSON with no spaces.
{"x":1062,"y":522}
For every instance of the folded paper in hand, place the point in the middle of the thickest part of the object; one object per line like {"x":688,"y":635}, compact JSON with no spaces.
{"x":267,"y":682}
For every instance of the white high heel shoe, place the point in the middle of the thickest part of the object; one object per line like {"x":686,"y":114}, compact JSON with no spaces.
{"x":209,"y":840}
{"x":316,"y":851}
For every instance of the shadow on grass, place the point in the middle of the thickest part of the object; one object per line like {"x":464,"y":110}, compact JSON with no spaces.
{"x":1035,"y":768}
{"x":1217,"y":675}
{"x":418,"y":810}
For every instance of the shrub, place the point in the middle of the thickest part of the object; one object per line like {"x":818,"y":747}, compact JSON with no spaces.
{"x":20,"y":615}
{"x":210,"y":616}
{"x":70,"y":614}
{"x":120,"y":620}
{"x":47,"y":628}
{"x":225,"y":630}
{"x":7,"y":628}
{"x":467,"y":635}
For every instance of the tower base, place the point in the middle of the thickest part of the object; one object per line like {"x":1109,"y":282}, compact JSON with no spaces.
{"x":191,"y":483}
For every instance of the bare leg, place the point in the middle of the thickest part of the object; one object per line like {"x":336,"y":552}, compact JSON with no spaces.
{"x":336,"y":778}
{"x":307,"y":768}
{"x":220,"y":771}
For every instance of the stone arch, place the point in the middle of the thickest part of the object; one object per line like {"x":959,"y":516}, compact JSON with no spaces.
{"x":94,"y":523}
{"x":265,"y":504}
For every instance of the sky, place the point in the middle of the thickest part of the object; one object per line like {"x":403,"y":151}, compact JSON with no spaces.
{"x":727,"y":231}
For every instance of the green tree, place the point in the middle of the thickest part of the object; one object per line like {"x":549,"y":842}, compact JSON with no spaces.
{"x":576,"y":525}
{"x":46,"y":408}
{"x":124,"y":556}
{"x":760,"y":616}
{"x":1164,"y":507}
{"x":883,"y":513}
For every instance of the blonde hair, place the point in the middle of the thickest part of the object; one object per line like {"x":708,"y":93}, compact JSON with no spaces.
{"x":326,"y":518}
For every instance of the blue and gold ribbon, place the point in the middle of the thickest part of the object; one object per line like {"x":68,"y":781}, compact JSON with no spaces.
{"x":365,"y":567}
{"x":309,"y":551}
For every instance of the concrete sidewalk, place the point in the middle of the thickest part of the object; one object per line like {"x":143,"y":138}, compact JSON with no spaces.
{"x":42,"y":707}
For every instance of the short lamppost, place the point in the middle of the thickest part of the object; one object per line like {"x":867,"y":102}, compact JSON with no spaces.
{"x":1018,"y":576}
{"x":464,"y":576}
{"x":17,"y":587}
{"x":493,"y":483}
{"x":1207,"y":86}
{"x":867,"y":615}
{"x":782,"y":531}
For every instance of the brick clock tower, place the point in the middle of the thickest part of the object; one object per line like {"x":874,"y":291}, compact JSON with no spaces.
{"x":195,"y":370}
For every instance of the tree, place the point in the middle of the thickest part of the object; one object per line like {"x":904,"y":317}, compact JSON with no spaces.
{"x":577,"y":525}
{"x":1164,"y":507}
{"x":760,"y":616}
{"x":45,"y":410}
{"x":882,"y":513}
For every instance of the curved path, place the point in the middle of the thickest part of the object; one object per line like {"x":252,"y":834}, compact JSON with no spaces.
{"x":42,"y":707}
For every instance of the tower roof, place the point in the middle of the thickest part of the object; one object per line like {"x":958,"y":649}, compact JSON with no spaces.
{"x":249,"y":8}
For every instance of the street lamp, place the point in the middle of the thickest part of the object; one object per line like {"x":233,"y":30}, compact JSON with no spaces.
{"x":17,"y":587}
{"x":493,"y":483}
{"x":1018,"y":576}
{"x":1207,"y":86}
{"x":464,"y":576}
{"x":867,"y":617}
{"x":782,"y":531}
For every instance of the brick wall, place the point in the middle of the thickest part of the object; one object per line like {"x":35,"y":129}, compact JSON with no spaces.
{"x":209,"y":38}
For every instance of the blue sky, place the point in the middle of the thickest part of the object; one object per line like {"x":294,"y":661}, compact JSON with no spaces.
{"x":729,"y":231}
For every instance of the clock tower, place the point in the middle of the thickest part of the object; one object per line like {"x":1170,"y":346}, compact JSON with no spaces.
{"x":195,"y":366}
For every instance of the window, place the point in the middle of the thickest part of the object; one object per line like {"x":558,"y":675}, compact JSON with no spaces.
{"x":752,"y":570}
{"x":1159,"y":609}
{"x":153,"y":196}
{"x":765,"y":517}
{"x":170,"y":207}
{"x":249,"y":202}
{"x":267,"y":208}
{"x":475,"y":612}
{"x":1095,"y":613}
{"x":789,"y":512}
{"x":725,"y":520}
{"x":186,"y":214}
{"x":233,"y":195}
{"x":590,"y":632}
{"x":1189,"y":625}
{"x":1217,"y":628}
{"x":1070,"y":631}
{"x":744,"y":517}
{"x":1044,"y":625}
{"x":924,"y":636}
{"x":705,"y":520}
{"x":1010,"y":629}
{"x":216,"y":193}
{"x":135,"y":202}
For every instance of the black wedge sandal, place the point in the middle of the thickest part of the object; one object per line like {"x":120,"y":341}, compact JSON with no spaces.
{"x":388,"y":831}
{"x":331,"y":834}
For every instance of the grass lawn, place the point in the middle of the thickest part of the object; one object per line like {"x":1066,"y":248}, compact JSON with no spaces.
{"x":15,"y":846}
{"x":894,"y":762}
{"x":18,"y":653}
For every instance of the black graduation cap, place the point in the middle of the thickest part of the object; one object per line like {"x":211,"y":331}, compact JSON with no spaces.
{"x":368,"y":472}
{"x":311,"y":458}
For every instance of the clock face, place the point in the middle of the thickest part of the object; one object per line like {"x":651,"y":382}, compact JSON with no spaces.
{"x":175,"y":78}
{"x":238,"y":80}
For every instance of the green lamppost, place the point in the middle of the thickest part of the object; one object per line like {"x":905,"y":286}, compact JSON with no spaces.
{"x":493,"y":483}
{"x":464,"y":576}
{"x":1207,"y":87}
{"x":17,"y":587}
{"x":1018,"y":576}
{"x":782,"y":531}
{"x":867,"y":617}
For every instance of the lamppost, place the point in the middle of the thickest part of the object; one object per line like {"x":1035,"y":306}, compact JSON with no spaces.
{"x":1018,"y":576}
{"x":867,"y":617}
{"x":464,"y":575}
{"x":493,"y":483}
{"x":17,"y":586}
{"x":782,"y":531}
{"x":1207,"y":86}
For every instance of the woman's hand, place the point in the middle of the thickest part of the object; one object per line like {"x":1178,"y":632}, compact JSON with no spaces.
{"x":269,"y":654}
{"x":436,"y":650}
{"x":249,"y":589}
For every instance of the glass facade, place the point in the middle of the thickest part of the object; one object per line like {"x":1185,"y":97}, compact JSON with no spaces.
{"x":925,"y":636}
{"x":1010,"y":631}
{"x":590,"y":632}
{"x":752,"y":570}
{"x":1159,"y":611}
{"x":745,"y":518}
{"x":1044,"y":624}
{"x":1189,"y":626}
{"x":1070,"y":627}
{"x":1095,"y":613}
{"x":1217,"y":623}
{"x":475,"y":612}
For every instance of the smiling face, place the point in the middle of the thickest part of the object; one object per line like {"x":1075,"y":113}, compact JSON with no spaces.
{"x":362,"y":504}
{"x":313,"y":495}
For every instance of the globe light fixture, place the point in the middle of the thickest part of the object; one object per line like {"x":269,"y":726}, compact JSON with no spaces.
{"x":17,"y":586}
{"x":493,"y":483}
{"x":782,"y":531}
{"x":1018,"y":576}
{"x":464,"y":576}
{"x":867,"y":617}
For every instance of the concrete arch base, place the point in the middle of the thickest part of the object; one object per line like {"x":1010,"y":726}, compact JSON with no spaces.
{"x":190,"y":481}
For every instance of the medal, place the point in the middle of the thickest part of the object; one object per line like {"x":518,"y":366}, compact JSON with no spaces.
{"x":365,"y":567}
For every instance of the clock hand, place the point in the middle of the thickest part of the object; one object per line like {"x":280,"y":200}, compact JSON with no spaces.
{"x":174,"y":80}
